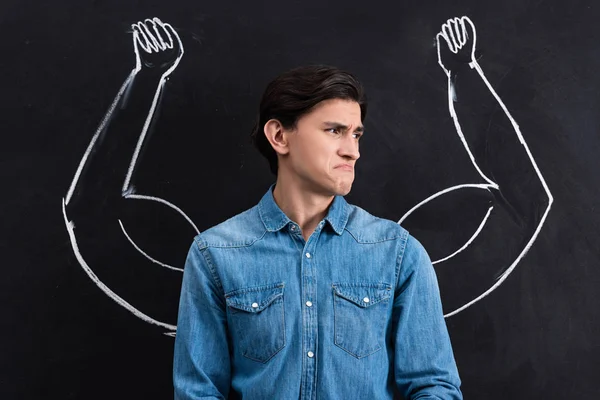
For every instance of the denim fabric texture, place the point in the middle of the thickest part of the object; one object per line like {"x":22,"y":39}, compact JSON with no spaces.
{"x":354,"y":312}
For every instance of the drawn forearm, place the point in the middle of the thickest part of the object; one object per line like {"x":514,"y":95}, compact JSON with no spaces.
{"x":498,"y":142}
{"x":481,"y":113}
{"x":105,"y":165}
{"x":468,"y":97}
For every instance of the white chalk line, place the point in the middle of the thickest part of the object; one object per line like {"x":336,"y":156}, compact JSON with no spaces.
{"x":442,"y":192}
{"x":144,"y":253}
{"x":454,"y":45}
{"x":126,"y":184}
{"x":149,"y":43}
{"x":119,"y":300}
{"x":505,"y":274}
{"x":165,"y":202}
{"x":152,"y":42}
{"x":481,"y":225}
{"x":105,"y":120}
{"x":128,"y":81}
{"x":447,"y":190}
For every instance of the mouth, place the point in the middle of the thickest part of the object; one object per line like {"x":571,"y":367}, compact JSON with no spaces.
{"x":345,"y":167}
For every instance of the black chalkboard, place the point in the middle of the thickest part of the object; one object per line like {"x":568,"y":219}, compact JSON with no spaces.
{"x":114,"y":155}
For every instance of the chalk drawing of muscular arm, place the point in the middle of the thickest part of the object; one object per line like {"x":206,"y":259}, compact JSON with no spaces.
{"x":102,"y":190}
{"x":498,"y":152}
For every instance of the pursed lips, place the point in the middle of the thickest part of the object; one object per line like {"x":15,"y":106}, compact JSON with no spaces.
{"x":345,"y":167}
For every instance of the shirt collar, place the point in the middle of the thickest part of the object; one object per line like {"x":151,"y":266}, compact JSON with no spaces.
{"x":274,"y":219}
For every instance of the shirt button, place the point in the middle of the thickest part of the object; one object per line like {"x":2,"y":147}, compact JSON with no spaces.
{"x":309,"y":304}
{"x":307,"y":255}
{"x":293,"y":227}
{"x":254,"y":305}
{"x":366,"y":300}
{"x":310,"y":354}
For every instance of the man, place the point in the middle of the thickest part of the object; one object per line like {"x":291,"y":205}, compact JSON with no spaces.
{"x":305,"y":296}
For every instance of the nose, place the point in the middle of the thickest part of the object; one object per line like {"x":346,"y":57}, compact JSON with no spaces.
{"x":349,"y":148}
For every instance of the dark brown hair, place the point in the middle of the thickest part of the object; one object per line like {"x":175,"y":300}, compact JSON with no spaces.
{"x":295,"y":93}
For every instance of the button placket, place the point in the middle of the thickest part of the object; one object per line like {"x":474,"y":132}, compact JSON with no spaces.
{"x":310,"y":323}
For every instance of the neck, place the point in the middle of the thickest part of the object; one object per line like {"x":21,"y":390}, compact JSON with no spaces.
{"x":302,"y":205}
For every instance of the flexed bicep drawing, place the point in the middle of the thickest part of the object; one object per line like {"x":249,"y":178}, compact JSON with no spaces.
{"x":512,"y":186}
{"x":102,"y":208}
{"x":111,"y":225}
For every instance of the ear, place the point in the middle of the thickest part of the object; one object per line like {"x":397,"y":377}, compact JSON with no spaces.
{"x":277,"y":135}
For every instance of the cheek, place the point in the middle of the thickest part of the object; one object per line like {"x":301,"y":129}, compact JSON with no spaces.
{"x":316,"y":155}
{"x":306,"y":159}
{"x":325,"y":158}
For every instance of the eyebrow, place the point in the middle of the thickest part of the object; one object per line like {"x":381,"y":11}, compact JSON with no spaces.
{"x":343,"y":127}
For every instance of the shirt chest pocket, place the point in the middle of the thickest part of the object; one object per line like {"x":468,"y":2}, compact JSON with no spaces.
{"x":256,"y":316}
{"x":360,"y":313}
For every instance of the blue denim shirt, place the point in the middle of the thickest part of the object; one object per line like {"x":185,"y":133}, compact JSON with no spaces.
{"x":352,"y":313}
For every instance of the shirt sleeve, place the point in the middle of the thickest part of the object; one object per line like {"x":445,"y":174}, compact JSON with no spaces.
{"x":424,"y":364}
{"x":201,"y":365}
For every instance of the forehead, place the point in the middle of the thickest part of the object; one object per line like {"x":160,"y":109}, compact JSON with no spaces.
{"x":336,"y":110}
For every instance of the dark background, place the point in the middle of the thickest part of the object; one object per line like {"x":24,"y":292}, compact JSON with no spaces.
{"x":61,"y":63}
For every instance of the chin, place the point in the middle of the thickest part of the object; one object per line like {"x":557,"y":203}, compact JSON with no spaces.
{"x":333,"y":187}
{"x":342,"y":188}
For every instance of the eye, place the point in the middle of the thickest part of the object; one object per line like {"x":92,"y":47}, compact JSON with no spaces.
{"x":357,"y":135}
{"x":333,"y":130}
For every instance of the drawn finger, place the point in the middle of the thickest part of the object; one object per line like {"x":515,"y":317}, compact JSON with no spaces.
{"x":446,"y":40}
{"x":141,"y":38}
{"x":463,"y":32}
{"x":452,"y":29}
{"x":457,"y":31}
{"x":469,"y":27}
{"x":471,"y":33}
{"x":149,"y":26}
{"x":149,"y":36}
{"x":156,"y":34}
{"x":447,"y":32}
{"x":166,"y":38}
{"x":173,"y":36}
{"x":446,"y":35}
{"x":438,"y":39}
{"x":145,"y":37}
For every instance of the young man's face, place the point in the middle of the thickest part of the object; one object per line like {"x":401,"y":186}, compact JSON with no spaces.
{"x":323,"y":148}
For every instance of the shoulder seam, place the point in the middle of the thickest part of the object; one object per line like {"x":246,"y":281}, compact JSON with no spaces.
{"x":202,"y":247}
{"x":234,"y":245}
{"x":243,"y":242}
{"x":395,"y":236}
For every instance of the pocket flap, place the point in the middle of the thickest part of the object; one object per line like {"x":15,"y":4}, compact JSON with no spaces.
{"x":363,"y":294}
{"x":254,"y":299}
